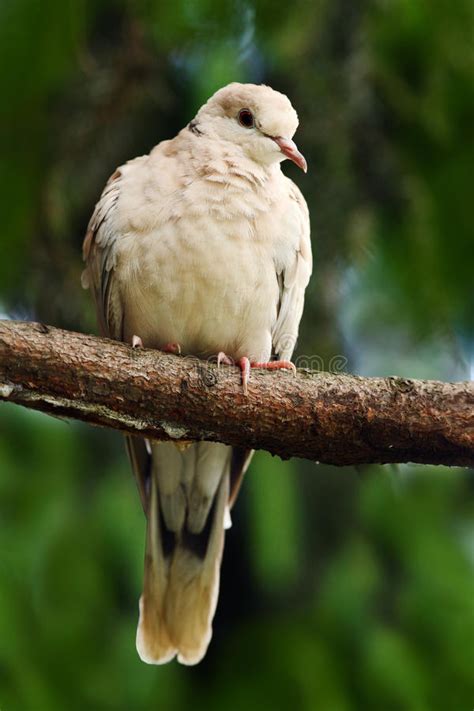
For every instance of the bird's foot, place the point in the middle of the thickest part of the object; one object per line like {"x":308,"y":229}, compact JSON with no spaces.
{"x":171,"y":348}
{"x":242,"y":363}
{"x":276,"y":365}
{"x":167,"y":348}
{"x":245,"y":364}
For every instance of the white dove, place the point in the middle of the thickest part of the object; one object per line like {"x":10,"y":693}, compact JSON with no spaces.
{"x":200,"y":247}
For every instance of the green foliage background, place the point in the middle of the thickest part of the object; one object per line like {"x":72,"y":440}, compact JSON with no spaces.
{"x":339,"y":592}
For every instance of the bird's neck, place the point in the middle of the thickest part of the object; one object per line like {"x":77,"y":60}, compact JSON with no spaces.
{"x":221,"y":161}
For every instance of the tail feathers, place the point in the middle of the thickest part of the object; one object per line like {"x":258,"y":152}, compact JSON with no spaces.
{"x":153,"y":643}
{"x":181,"y":585}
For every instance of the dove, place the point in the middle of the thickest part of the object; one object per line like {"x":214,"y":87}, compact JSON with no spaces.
{"x":201,"y":247}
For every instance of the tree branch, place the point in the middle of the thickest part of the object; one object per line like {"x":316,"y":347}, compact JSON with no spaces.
{"x":336,"y":419}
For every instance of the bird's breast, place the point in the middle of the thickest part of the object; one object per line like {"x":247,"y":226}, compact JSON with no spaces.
{"x":207,"y":284}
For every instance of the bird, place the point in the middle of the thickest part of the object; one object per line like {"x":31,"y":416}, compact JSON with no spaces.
{"x":200,"y":247}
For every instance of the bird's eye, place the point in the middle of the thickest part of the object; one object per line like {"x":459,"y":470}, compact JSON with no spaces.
{"x":246,"y":118}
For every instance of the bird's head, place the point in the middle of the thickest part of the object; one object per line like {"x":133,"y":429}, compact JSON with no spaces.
{"x":255,"y":117}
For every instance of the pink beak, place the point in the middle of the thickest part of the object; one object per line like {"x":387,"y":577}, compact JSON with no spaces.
{"x":290,"y":150}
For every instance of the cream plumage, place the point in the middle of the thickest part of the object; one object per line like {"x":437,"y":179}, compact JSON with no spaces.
{"x":202,"y":243}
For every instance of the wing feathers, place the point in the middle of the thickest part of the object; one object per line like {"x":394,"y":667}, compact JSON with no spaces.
{"x":99,"y":252}
{"x":292,"y":281}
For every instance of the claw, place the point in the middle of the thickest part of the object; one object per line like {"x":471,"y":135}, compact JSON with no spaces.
{"x":223,"y":358}
{"x":137,"y":342}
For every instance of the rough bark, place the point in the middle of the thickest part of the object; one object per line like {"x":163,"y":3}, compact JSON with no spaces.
{"x":338,"y":419}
